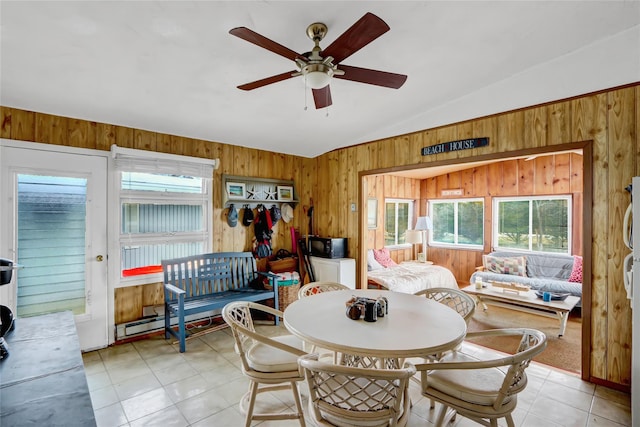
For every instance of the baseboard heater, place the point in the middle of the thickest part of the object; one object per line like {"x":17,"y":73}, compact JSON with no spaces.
{"x":154,"y":324}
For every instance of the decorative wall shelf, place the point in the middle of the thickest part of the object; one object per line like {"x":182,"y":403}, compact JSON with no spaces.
{"x":243,"y":190}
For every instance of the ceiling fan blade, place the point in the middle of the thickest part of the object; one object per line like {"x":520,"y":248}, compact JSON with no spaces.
{"x":267,"y":81}
{"x":322,"y":97}
{"x":372,"y":77}
{"x":364,"y":31}
{"x":260,"y":40}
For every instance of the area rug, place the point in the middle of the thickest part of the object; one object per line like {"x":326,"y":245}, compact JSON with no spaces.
{"x":561,"y":352}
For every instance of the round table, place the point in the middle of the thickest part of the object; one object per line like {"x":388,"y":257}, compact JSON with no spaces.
{"x":415,"y":326}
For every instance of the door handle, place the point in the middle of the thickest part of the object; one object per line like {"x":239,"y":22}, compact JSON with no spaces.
{"x":99,"y":258}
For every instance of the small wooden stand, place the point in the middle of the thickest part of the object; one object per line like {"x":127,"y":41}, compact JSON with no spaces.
{"x":510,"y":287}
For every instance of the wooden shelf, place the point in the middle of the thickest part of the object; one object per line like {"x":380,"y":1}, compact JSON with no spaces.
{"x":256,"y":191}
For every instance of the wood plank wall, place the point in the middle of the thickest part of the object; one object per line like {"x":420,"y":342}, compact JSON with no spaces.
{"x":234,"y":160}
{"x":381,"y":187}
{"x":610,"y":119}
{"x":542,"y":176}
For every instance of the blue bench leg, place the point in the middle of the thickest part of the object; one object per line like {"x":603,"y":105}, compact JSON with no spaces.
{"x":167,"y":322}
{"x":182,"y":332}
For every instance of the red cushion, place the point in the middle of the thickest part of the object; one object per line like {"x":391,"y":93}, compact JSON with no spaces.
{"x":576,"y":272}
{"x":383,"y":257}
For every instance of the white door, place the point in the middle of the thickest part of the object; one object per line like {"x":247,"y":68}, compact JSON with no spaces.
{"x":53,"y":224}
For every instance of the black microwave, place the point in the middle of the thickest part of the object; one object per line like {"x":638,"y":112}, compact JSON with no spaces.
{"x":328,"y":247}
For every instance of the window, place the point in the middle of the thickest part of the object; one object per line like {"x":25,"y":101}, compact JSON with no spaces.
{"x":164,"y":211}
{"x":398,"y":214}
{"x":51,"y":241}
{"x":457,"y":222}
{"x":538,"y":224}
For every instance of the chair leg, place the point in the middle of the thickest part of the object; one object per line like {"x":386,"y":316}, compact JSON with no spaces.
{"x":253,"y":391}
{"x":296,"y":396}
{"x":440,"y":420}
{"x":445,"y":416}
{"x":510,"y":422}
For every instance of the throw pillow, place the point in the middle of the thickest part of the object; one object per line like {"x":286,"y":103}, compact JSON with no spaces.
{"x":516,"y":266}
{"x":576,"y":271}
{"x":372,"y":264}
{"x":383,"y":257}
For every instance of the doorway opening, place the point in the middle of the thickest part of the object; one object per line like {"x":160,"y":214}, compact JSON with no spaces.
{"x":464,"y":262}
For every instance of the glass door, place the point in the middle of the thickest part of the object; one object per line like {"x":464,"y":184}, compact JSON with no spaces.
{"x":54,"y":222}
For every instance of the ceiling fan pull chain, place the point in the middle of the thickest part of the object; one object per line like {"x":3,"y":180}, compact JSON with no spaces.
{"x":328,"y":104}
{"x":305,"y":92}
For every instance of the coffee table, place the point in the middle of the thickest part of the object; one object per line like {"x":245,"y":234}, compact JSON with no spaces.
{"x":524,"y":301}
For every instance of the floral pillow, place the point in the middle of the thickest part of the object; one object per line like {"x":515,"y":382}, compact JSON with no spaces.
{"x":576,"y":271}
{"x":516,"y":266}
{"x":383,"y":257}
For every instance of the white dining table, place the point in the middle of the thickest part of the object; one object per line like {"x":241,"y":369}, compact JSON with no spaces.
{"x":415,"y":326}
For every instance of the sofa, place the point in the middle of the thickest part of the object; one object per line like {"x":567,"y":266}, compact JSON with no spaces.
{"x":542,"y":272}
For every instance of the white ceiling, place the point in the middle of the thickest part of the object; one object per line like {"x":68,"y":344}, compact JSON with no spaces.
{"x":172,"y":66}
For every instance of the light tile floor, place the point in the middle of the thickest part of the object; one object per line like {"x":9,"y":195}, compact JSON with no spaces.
{"x":149,"y":383}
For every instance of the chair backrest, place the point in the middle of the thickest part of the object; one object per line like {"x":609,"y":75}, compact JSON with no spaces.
{"x":238,"y":317}
{"x":532,"y":343}
{"x":319,"y":287}
{"x":344,"y":395}
{"x":461,"y":302}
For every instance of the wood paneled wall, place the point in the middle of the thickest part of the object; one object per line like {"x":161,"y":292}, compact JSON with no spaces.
{"x":381,"y":187}
{"x":559,"y":174}
{"x":610,"y":119}
{"x":234,"y":160}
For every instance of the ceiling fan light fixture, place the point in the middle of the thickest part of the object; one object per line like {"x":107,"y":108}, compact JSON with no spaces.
{"x":317,"y":76}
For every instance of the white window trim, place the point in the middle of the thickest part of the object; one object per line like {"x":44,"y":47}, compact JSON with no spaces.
{"x":495,"y":219}
{"x":412,"y":204}
{"x":169,"y":162}
{"x":430,"y":240}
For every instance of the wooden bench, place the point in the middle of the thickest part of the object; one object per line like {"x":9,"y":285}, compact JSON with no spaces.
{"x":207,"y":282}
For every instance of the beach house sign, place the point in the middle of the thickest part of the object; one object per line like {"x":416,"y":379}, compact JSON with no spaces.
{"x":463,"y":144}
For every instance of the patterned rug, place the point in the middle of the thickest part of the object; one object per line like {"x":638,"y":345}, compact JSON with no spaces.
{"x":561,"y":352}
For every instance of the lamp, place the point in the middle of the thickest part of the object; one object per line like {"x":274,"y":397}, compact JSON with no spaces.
{"x":413,"y":237}
{"x":423,"y":224}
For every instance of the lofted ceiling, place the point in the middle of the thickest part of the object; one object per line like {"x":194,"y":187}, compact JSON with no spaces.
{"x":172,"y":66}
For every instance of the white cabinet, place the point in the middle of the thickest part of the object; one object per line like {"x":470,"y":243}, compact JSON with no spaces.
{"x":340,"y":270}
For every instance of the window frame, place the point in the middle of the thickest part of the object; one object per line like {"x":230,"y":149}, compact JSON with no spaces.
{"x":456,"y":202}
{"x":180,"y":165}
{"x":411,"y":203}
{"x":495,"y":220}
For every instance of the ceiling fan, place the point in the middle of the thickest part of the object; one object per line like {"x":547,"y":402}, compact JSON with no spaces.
{"x":320,"y":65}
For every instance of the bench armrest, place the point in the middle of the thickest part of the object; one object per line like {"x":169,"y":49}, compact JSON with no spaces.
{"x":174,"y":289}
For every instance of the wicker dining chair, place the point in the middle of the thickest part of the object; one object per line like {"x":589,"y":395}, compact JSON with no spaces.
{"x":270,"y":363}
{"x":456,"y":299}
{"x":345,"y":395}
{"x":319,"y":287}
{"x":483,"y":390}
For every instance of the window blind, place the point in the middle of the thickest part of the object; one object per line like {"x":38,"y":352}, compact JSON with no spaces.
{"x":131,"y":160}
